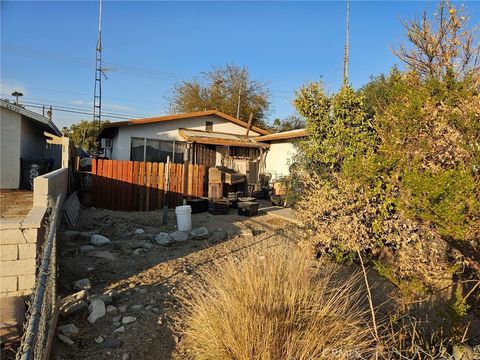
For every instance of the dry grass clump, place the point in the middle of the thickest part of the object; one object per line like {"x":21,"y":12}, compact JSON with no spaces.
{"x":277,"y":306}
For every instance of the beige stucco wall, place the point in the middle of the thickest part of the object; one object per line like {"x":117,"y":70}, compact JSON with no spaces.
{"x":279,"y":158}
{"x":10,"y":130}
{"x":168,"y":130}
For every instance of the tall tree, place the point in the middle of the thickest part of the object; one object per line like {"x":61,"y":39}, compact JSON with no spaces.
{"x":291,"y":122}
{"x":228,"y":89}
{"x":84,"y":134}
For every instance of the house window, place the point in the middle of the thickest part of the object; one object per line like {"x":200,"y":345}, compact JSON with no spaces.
{"x":151,"y":150}
{"x":209,"y":126}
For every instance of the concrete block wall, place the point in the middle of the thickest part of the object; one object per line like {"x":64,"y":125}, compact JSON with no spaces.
{"x":20,"y":242}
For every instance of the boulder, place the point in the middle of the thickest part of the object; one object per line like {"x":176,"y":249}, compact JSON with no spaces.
{"x":162,"y":239}
{"x":65,"y":339}
{"x":111,"y":309}
{"x":120,"y":329}
{"x":85,"y":248}
{"x":97,"y":310}
{"x":69,"y":330}
{"x":82,"y":284}
{"x":178,"y":236}
{"x":99,"y":240}
{"x":72,"y":306}
{"x":106,"y":255}
{"x":128,"y":319}
{"x":199,"y":233}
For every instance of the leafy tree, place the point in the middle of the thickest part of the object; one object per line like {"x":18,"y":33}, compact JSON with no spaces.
{"x":84,"y":134}
{"x":291,"y":122}
{"x":219,"y":89}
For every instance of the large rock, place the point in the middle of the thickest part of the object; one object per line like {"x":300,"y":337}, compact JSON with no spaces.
{"x":102,"y":254}
{"x":97,"y":310}
{"x":69,"y":330}
{"x":71,"y":306}
{"x":128,"y":319}
{"x":162,"y":239}
{"x":99,"y":240}
{"x":199,"y":233}
{"x":82,"y":284}
{"x":179,"y":236}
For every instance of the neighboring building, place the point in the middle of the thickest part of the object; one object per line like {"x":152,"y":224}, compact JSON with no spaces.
{"x":282,"y":151}
{"x":204,"y":137}
{"x":22,"y":139}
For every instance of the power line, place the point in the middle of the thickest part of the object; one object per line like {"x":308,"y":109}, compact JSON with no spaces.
{"x":74,"y":111}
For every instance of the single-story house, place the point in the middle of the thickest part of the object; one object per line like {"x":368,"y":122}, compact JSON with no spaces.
{"x":23,"y":142}
{"x":282,"y":151}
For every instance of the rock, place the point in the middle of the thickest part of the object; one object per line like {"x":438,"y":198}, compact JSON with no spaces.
{"x":148,"y":307}
{"x":140,"y":290}
{"x":81,"y":295}
{"x":97,"y":310}
{"x":116,"y":324}
{"x":162,"y":239}
{"x":111,"y":309}
{"x":90,"y":269}
{"x":246,"y":232}
{"x":72,"y":235}
{"x":122,"y":308}
{"x":85,"y":248}
{"x":120,"y":329}
{"x":99,"y":240}
{"x":117,"y":318}
{"x":102,"y":254}
{"x":135,"y":244}
{"x":138,"y":251}
{"x":65,"y":340}
{"x":105,"y":298}
{"x":125,"y":356}
{"x":218,"y":236}
{"x":200,"y":233}
{"x":178,"y":236}
{"x":72,"y":306}
{"x":146,"y":245}
{"x":462,"y":352}
{"x":112,"y":293}
{"x":82,"y":284}
{"x":128,"y":319}
{"x":69,"y":330}
{"x":112,"y":343}
{"x":99,"y":339}
{"x":137,"y":307}
{"x":232,"y":233}
{"x":139,"y":232}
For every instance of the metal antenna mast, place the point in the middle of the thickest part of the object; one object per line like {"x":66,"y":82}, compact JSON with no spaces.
{"x":347,"y":44}
{"x":97,"y":96}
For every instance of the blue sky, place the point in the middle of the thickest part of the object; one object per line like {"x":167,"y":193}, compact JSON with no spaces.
{"x":48,"y":48}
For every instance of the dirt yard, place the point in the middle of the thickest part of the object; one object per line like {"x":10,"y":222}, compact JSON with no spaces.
{"x":148,"y":282}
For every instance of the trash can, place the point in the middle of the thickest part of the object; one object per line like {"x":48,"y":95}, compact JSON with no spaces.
{"x":30,"y":169}
{"x":184,"y":217}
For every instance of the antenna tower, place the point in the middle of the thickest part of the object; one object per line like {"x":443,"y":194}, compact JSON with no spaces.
{"x":97,"y":95}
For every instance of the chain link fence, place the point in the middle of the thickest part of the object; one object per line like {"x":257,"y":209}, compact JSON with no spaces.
{"x":39,"y":327}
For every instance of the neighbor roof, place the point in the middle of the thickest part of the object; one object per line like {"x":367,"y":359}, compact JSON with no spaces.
{"x":185,"y":116}
{"x":285,"y":135}
{"x":218,"y":138}
{"x":32,"y":116}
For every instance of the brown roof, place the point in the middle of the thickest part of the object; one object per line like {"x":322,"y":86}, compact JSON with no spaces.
{"x":292,"y":134}
{"x":185,"y":116}
{"x":217,"y":138}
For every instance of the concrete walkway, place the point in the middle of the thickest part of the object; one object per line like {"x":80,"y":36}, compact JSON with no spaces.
{"x":284,"y":213}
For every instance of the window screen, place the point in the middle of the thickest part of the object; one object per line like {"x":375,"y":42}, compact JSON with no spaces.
{"x":156,"y":150}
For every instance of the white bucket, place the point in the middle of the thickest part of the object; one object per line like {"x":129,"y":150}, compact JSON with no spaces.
{"x":184,"y":217}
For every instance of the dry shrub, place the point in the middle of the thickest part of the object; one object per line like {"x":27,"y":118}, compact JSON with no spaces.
{"x":278,"y":306}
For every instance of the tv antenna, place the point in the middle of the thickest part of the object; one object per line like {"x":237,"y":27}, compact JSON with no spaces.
{"x":99,"y":72}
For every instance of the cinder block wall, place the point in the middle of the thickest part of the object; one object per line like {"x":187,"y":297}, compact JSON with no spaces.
{"x":20,"y":242}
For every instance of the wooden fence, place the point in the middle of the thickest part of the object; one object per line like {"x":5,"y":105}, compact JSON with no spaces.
{"x":144,"y":186}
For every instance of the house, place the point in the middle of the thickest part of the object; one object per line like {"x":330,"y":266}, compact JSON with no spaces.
{"x":282,"y":151}
{"x":209,"y":138}
{"x":23,"y":141}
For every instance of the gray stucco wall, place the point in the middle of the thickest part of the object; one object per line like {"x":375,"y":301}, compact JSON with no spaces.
{"x":9,"y":149}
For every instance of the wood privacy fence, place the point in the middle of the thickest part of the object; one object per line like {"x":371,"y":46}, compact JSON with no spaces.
{"x":144,"y":186}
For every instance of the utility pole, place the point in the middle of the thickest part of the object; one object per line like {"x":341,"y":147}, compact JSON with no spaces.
{"x":238,"y":102}
{"x":97,"y":94}
{"x":347,"y":41}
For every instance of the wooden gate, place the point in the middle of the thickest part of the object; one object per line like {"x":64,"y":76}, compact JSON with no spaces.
{"x":144,"y":186}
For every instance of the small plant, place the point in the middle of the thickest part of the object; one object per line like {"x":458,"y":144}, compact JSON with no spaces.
{"x":276,"y":307}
